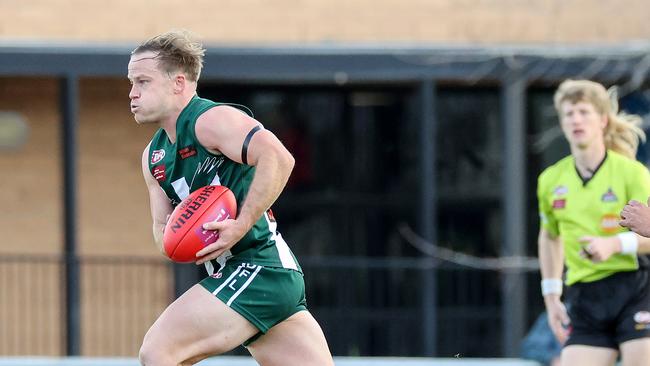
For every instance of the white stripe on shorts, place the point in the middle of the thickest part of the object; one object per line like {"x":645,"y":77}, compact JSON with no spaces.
{"x":227,"y":280}
{"x":250,"y":279}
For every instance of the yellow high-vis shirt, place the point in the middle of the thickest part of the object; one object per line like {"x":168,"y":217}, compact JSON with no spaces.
{"x":570,"y":207}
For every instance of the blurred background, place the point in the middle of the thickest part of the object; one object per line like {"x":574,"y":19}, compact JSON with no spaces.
{"x":415,"y":125}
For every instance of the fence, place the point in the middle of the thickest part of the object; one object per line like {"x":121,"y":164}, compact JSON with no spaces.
{"x":367,"y":307}
{"x":120,"y":298}
{"x":374,"y":306}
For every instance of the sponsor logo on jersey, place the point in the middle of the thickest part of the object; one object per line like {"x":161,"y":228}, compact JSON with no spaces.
{"x":642,"y":317}
{"x":609,"y":223}
{"x":158,"y":173}
{"x":187,"y":152}
{"x":157,"y":156}
{"x":560,"y":190}
{"x":609,"y":196}
{"x":642,"y":320}
{"x":559,"y":204}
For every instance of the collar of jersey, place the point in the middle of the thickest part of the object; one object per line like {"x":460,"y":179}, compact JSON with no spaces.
{"x":587,"y":180}
{"x":179,"y":118}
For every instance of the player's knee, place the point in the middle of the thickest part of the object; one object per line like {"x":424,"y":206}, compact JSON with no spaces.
{"x":146,"y":355}
{"x":153,"y":354}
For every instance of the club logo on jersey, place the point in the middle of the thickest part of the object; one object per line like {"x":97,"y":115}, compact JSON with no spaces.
{"x":157,"y":156}
{"x":187,"y":152}
{"x":609,"y":223}
{"x":560,"y":190}
{"x":159,"y":173}
{"x":208,"y":165}
{"x":559,"y":204}
{"x":609,"y":196}
{"x":642,"y":320}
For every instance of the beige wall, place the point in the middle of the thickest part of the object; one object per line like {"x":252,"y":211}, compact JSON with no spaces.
{"x":119,"y":300}
{"x":479,"y":21}
{"x":113,"y":201}
{"x":113,"y":207}
{"x":31,"y":221}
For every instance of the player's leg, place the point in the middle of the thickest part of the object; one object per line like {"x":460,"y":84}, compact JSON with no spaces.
{"x":194,"y":326}
{"x":577,"y":355}
{"x":599,"y":321}
{"x":633,"y":329}
{"x":635,"y":352}
{"x":296,"y":341}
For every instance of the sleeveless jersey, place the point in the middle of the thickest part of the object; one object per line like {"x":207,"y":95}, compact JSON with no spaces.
{"x":571,"y":208}
{"x":185,"y":165}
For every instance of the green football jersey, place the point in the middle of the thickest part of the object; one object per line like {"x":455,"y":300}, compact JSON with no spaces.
{"x":571,"y":208}
{"x":185,"y":165}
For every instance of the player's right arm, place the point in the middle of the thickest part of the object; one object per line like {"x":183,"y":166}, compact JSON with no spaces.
{"x":159,"y":204}
{"x":551,"y":262}
{"x":551,"y":257}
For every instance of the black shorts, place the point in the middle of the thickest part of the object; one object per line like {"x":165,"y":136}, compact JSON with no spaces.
{"x":608,"y":312}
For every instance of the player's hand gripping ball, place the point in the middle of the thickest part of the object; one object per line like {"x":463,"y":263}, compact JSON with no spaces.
{"x":184,"y":234}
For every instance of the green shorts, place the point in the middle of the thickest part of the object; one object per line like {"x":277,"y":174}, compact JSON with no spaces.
{"x":265,"y":296}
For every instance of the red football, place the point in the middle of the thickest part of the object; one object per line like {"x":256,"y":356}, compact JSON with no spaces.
{"x":184,"y":234}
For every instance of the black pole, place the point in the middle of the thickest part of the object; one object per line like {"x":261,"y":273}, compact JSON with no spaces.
{"x":513,"y":199}
{"x":428,"y":218}
{"x":185,"y":276}
{"x":69,"y":99}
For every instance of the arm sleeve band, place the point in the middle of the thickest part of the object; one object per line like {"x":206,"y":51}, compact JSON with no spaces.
{"x":247,"y":140}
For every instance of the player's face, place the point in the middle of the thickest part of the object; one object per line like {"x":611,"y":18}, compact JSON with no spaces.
{"x":151,"y":89}
{"x":582,"y":124}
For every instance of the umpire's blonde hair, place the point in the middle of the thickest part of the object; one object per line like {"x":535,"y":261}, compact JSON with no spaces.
{"x":623,"y":131}
{"x":176,"y":51}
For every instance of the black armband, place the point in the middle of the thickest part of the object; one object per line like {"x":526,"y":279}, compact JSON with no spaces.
{"x":247,"y":140}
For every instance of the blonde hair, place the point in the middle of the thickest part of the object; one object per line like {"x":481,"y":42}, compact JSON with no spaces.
{"x":176,"y":50}
{"x":623,"y":131}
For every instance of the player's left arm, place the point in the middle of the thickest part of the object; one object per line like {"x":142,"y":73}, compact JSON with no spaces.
{"x":232,"y":133}
{"x":601,"y":248}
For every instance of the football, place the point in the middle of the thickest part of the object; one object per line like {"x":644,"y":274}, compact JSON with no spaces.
{"x":184,"y":234}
